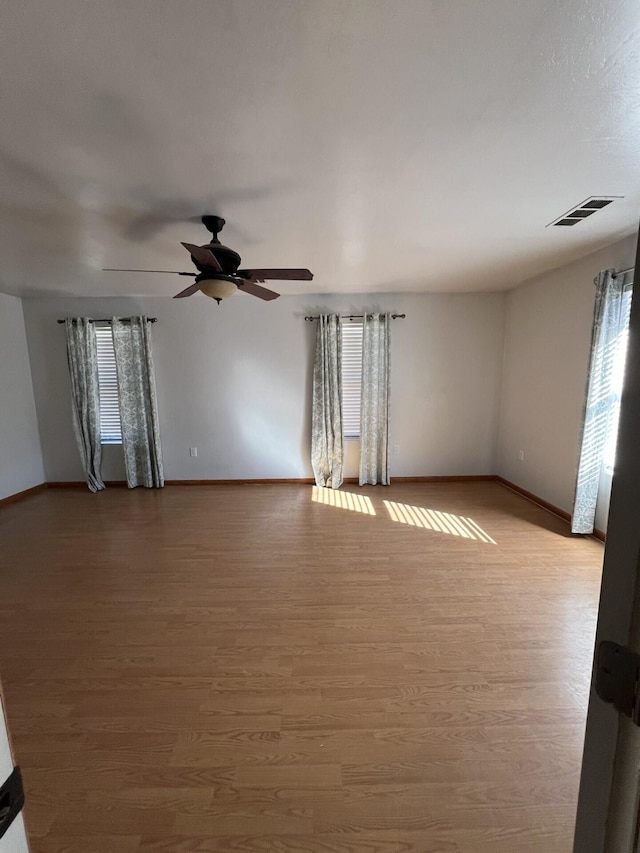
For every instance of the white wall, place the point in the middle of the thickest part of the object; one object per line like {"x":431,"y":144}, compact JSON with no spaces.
{"x":235,"y":382}
{"x":547,"y":340}
{"x":20,"y":454}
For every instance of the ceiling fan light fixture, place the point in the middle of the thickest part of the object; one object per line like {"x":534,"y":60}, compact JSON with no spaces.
{"x":218,"y":288}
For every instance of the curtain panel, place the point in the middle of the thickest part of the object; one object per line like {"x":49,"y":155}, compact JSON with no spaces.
{"x":138,"y":402}
{"x":609,"y":324}
{"x":326,"y":410}
{"x":374,"y":417}
{"x":82,"y":358}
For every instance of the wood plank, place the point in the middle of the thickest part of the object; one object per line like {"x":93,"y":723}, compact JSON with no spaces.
{"x":296,"y":676}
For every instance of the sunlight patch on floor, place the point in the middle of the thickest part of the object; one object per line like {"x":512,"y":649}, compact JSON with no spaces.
{"x":433,"y":519}
{"x":344,"y":500}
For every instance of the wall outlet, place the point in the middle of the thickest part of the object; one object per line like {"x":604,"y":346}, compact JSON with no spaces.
{"x":396,"y":449}
{"x":521,"y":455}
{"x":193,"y":451}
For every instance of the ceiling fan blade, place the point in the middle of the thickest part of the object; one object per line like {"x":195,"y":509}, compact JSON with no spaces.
{"x":169,"y":272}
{"x":255,"y":290}
{"x":188,"y":291}
{"x":203,"y":256}
{"x":282,"y":274}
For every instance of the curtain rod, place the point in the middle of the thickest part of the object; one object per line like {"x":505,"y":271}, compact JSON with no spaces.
{"x":623,"y":272}
{"x":109,"y":319}
{"x":359,"y":316}
{"x":617,"y":273}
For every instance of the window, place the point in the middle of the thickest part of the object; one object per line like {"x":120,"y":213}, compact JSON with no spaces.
{"x":351,"y":379}
{"x":110,"y":427}
{"x":615,"y":366}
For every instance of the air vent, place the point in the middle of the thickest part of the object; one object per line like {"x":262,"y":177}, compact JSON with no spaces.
{"x":585,"y":209}
{"x":598,"y":203}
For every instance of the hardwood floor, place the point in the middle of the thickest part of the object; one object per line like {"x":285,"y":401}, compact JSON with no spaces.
{"x":249,"y":669}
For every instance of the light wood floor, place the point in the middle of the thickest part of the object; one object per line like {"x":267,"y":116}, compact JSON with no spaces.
{"x":243,"y":668}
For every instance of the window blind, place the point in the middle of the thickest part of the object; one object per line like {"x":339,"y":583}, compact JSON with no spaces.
{"x":351,"y":379}
{"x":613,"y":365}
{"x":110,"y":427}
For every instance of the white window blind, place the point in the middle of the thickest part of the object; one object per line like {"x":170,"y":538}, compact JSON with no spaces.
{"x":351,"y":379}
{"x":110,"y":428}
{"x":614,"y":364}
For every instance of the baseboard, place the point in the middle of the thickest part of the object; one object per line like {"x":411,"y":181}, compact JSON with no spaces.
{"x":450,"y":478}
{"x":10,"y":499}
{"x":565,"y":516}
{"x":535,"y":499}
{"x":307,"y":481}
{"x":277,"y":481}
{"x":82,"y":484}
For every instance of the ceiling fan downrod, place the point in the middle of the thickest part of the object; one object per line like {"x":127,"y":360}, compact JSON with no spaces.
{"x":214,"y":224}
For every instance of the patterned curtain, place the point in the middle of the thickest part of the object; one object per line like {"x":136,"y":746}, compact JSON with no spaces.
{"x":85,"y":399}
{"x":138,"y":407}
{"x":610,"y":320}
{"x":374,"y":415}
{"x":326,"y":413}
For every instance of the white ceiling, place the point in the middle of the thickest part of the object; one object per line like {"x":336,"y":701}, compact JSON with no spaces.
{"x":388,"y":145}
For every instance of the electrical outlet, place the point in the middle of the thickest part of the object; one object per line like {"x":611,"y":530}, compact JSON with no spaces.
{"x":193,"y":451}
{"x":396,"y":449}
{"x":521,"y":455}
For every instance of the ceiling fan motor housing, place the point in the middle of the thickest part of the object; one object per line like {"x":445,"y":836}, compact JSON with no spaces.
{"x":226,"y":257}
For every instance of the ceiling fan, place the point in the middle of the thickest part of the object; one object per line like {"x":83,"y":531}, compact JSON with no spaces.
{"x":218,"y":275}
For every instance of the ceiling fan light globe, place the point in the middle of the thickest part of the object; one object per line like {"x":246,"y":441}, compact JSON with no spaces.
{"x":218,"y":288}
